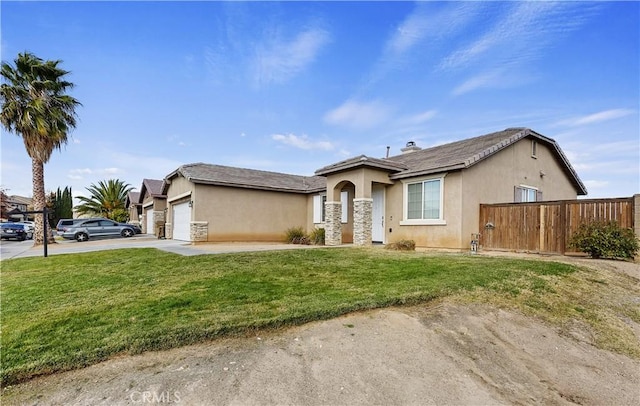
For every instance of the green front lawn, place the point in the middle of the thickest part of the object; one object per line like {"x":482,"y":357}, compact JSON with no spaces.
{"x":69,"y":311}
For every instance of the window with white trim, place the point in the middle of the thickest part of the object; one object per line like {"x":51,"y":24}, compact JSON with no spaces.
{"x":423,"y":202}
{"x":534,"y":148}
{"x":319,"y":213}
{"x":526,"y":194}
{"x":318,"y":208}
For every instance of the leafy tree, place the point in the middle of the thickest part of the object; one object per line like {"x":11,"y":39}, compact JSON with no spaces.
{"x":36,"y":107}
{"x":61,"y":205}
{"x":107,"y":199}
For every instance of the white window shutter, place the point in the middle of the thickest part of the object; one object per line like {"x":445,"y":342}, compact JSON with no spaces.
{"x":317,"y":209}
{"x":344,"y":198}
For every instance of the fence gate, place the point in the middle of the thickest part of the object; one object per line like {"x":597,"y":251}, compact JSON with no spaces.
{"x":546,"y":226}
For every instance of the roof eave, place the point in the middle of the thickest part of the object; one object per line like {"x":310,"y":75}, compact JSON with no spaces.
{"x":405,"y":175}
{"x":363,"y":163}
{"x":246,"y":186}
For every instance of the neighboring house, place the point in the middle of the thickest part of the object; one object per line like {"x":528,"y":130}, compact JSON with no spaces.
{"x":431,"y":196}
{"x":154,"y":203}
{"x":134,"y":208}
{"x":221,"y":203}
{"x":15,"y":203}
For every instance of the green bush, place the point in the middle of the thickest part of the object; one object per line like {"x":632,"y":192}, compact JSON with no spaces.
{"x":295,"y":235}
{"x":605,"y":240}
{"x":402,"y":245}
{"x":317,"y":236}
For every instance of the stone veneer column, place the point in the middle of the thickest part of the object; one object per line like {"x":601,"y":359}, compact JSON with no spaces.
{"x":362,"y":221}
{"x":332,"y":223}
{"x":199,"y":231}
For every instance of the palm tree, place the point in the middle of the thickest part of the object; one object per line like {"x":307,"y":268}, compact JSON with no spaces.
{"x":106,"y":199}
{"x":36,"y":107}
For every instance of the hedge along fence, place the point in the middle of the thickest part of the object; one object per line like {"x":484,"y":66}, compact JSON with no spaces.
{"x":549,"y":226}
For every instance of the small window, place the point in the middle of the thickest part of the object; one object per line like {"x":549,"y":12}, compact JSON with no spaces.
{"x":319,"y":212}
{"x":534,"y":149}
{"x":318,"y":208}
{"x":527,"y":194}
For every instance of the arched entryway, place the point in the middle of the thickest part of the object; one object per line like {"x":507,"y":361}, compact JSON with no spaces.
{"x":368,"y":178}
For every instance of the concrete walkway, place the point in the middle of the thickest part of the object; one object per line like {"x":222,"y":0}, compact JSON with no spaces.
{"x":144,"y":241}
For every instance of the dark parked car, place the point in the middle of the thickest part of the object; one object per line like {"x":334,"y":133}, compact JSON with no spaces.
{"x":89,"y":228}
{"x":13,"y":230}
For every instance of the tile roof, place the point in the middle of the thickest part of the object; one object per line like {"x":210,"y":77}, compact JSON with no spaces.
{"x":132,"y":197}
{"x":153,"y":186}
{"x":249,"y":178}
{"x":456,"y":155}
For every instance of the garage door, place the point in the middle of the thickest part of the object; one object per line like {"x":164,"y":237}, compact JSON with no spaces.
{"x":181,"y":221}
{"x":150,"y":227}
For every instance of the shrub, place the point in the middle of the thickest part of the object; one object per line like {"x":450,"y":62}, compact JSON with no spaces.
{"x":402,"y":245}
{"x":295,"y":235}
{"x":317,"y":236}
{"x":605,"y":240}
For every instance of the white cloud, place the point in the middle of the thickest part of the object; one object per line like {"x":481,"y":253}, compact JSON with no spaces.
{"x":601,"y":116}
{"x":302,"y":142}
{"x":278,"y":60}
{"x":359,"y":116}
{"x":109,"y":171}
{"x":514,"y":41}
{"x":79,"y":173}
{"x":420,"y":117}
{"x":422,"y":30}
{"x":486,"y":79}
{"x":82,"y":173}
{"x":521,"y":34}
{"x":595,"y":184}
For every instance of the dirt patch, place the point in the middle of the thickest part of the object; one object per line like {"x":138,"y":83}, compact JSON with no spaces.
{"x":438,"y":353}
{"x":445,"y":354}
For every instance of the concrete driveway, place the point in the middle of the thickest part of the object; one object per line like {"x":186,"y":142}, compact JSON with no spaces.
{"x":23,"y":249}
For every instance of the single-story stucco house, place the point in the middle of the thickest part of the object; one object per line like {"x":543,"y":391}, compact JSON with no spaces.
{"x":431,"y":196}
{"x":153,"y":203}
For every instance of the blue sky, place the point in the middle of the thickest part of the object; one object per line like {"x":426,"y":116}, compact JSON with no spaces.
{"x":294,"y":86}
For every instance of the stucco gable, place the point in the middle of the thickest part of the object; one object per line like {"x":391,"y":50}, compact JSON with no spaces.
{"x":359,"y":162}
{"x":247,"y":178}
{"x":132,"y":198}
{"x":151,"y":187}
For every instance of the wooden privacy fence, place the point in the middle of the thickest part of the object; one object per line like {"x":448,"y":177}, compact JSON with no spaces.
{"x":547,"y":226}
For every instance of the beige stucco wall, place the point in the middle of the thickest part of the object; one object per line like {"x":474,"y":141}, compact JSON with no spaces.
{"x":236,"y":214}
{"x":493,"y":180}
{"x":428,"y":236}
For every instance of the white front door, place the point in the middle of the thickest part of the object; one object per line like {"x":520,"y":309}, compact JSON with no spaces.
{"x":182,"y":222}
{"x":150,"y":227}
{"x":377,"y":223}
